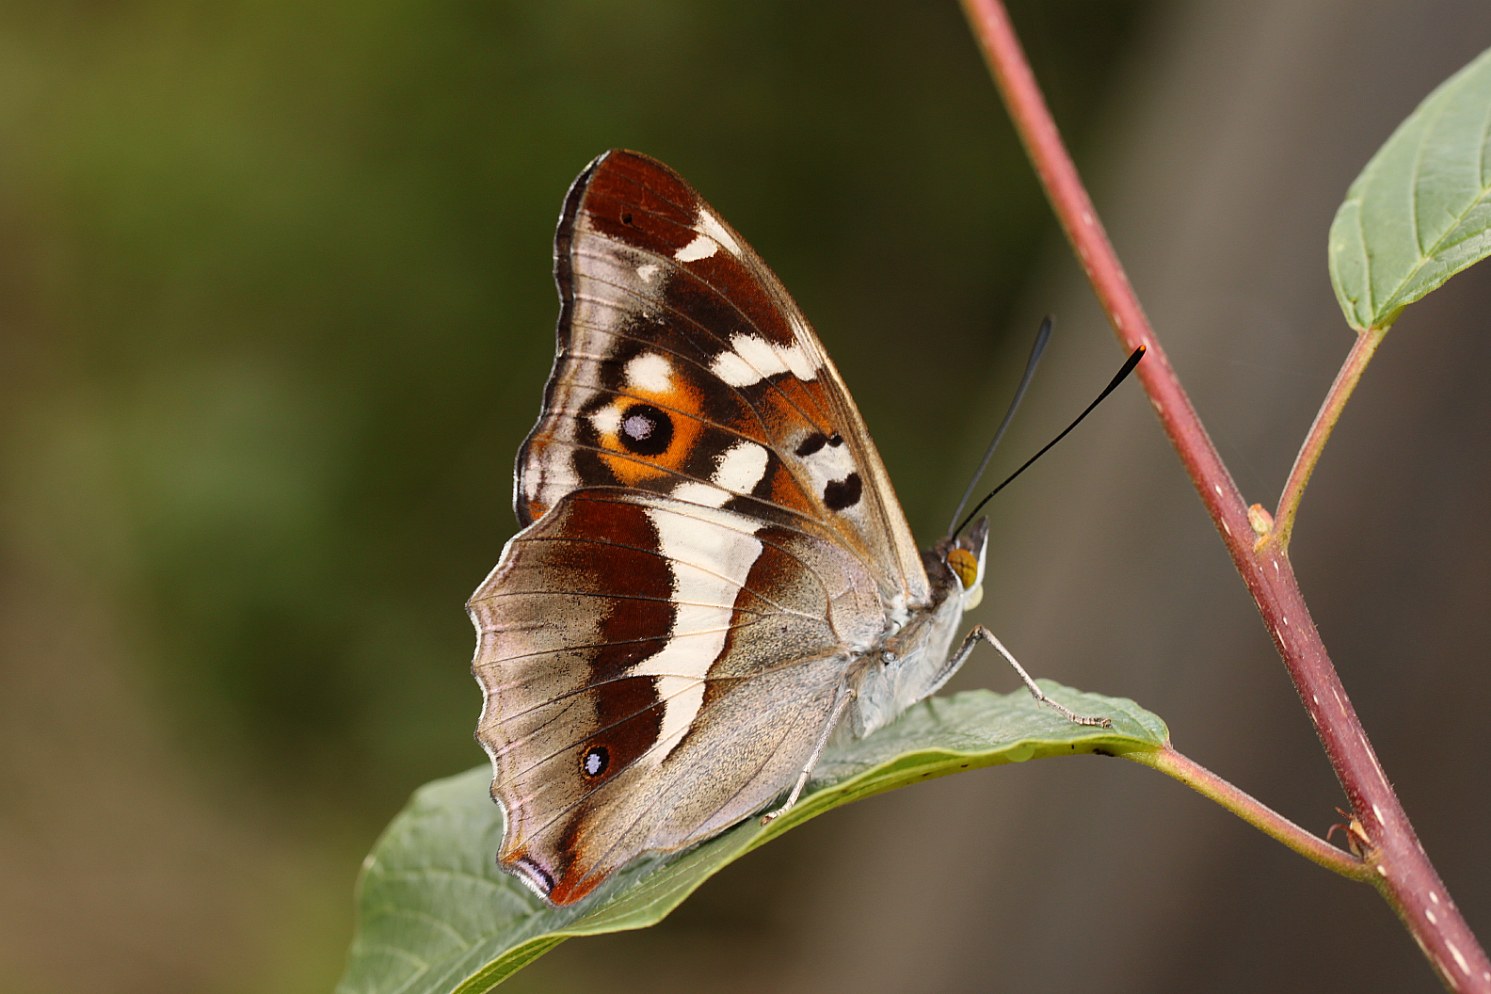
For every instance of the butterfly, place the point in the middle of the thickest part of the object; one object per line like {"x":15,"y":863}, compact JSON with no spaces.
{"x":713,"y":578}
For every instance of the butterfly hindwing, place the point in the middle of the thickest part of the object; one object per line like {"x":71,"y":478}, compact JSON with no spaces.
{"x":594,"y":688}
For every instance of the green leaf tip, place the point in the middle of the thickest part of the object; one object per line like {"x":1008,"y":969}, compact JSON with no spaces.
{"x":1419,"y":211}
{"x":436,"y":915}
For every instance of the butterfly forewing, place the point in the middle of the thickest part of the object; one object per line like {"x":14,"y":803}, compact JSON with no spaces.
{"x":682,"y":361}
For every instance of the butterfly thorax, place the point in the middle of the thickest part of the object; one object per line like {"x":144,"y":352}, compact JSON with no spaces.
{"x":913,"y":662}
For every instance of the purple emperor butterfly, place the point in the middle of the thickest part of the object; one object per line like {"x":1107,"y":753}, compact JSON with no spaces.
{"x":714,"y":577}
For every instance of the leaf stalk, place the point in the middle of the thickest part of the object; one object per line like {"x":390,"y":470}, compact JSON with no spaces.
{"x":1251,"y":810}
{"x":1345,"y":383}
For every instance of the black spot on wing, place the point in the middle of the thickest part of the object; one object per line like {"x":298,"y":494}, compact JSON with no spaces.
{"x":811,"y":444}
{"x":816,"y":441}
{"x":839,"y":495}
{"x":646,"y":430}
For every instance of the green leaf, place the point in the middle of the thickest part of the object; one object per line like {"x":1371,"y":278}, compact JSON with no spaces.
{"x":437,"y":915}
{"x":1418,"y":214}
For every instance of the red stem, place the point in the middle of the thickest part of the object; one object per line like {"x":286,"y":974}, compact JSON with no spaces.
{"x":1403,"y":873}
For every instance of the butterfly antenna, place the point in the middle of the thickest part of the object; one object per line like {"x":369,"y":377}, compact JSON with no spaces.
{"x":1119,"y":377}
{"x":1042,"y":337}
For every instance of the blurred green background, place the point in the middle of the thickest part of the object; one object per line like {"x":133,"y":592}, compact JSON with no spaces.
{"x":276,"y":310}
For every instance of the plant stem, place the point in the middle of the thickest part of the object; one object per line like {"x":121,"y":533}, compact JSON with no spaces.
{"x":1085,"y":232}
{"x":1399,"y":867}
{"x":1251,"y":810}
{"x":1325,"y":422}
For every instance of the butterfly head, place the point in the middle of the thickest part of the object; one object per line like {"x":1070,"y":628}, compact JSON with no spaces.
{"x":965,"y":556}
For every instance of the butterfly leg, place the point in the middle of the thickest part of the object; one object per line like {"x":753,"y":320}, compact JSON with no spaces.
{"x":982,"y":634}
{"x":842,"y":699}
